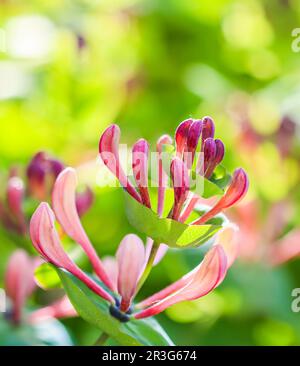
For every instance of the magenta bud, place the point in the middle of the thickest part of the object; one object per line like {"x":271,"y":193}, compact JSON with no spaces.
{"x":15,"y":195}
{"x":181,"y":135}
{"x":41,"y":171}
{"x":220,"y":151}
{"x":84,"y":201}
{"x":192,"y":140}
{"x":180,"y":180}
{"x":208,"y":129}
{"x":140,"y":152}
{"x":209,"y":151}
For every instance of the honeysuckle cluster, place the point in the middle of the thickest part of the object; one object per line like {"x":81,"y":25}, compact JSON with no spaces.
{"x":197,"y":152}
{"x":41,"y":173}
{"x":191,"y":136}
{"x":20,"y":284}
{"x":120,"y":276}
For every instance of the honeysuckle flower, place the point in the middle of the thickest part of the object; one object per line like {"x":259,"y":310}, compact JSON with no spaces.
{"x":20,"y":284}
{"x":189,"y":134}
{"x":262,"y":241}
{"x":41,"y":173}
{"x":125,"y":271}
{"x":61,"y":308}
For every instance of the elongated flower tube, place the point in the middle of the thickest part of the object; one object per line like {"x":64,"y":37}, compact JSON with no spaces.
{"x":19,"y":283}
{"x":61,"y":308}
{"x":46,"y":241}
{"x":108,"y":149}
{"x":84,"y":201}
{"x":15,"y":196}
{"x":196,"y":284}
{"x":234,"y":193}
{"x":130,"y":258}
{"x":64,"y":204}
{"x":180,"y":180}
{"x":140,"y":152}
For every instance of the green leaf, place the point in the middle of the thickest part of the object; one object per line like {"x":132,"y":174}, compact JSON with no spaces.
{"x":164,"y":230}
{"x":47,"y":333}
{"x":46,"y":276}
{"x":95,"y":310}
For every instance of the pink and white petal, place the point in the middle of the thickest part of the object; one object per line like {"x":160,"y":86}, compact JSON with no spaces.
{"x":64,"y":204}
{"x":47,"y":242}
{"x":285,"y":249}
{"x":111,"y":267}
{"x":130,"y":257}
{"x":162,"y":250}
{"x":205,"y":279}
{"x":228,"y":239}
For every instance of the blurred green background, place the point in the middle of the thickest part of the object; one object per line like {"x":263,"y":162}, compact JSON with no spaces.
{"x":70,"y":68}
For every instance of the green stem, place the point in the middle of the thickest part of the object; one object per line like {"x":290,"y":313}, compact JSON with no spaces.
{"x":102,"y":339}
{"x":148,"y":266}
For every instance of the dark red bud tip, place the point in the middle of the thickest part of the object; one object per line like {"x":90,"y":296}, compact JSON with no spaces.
{"x":208,"y":129}
{"x":193,"y":138}
{"x":181,"y":135}
{"x":209,"y":151}
{"x":220,"y":151}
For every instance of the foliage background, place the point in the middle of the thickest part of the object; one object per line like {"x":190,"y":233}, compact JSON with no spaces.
{"x":69,"y":68}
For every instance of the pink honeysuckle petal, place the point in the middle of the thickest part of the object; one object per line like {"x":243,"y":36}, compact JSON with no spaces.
{"x":162,"y":176}
{"x":180,"y":180}
{"x":234,"y":193}
{"x":19,"y":281}
{"x":46,"y":241}
{"x":181,"y":136}
{"x":15,"y":195}
{"x":162,"y":250}
{"x":187,"y":210}
{"x":140,"y":152}
{"x":64,"y":204}
{"x":171,"y":289}
{"x":108,"y":149}
{"x":199,"y":283}
{"x":61,"y":308}
{"x":130,"y":257}
{"x":227,"y":239}
{"x":111,"y":267}
{"x":284,"y":249}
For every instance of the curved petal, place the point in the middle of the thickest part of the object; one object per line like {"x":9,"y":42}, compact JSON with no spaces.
{"x":130,"y":257}
{"x":19,"y":281}
{"x":196,"y":284}
{"x":111,"y":267}
{"x":46,"y":240}
{"x":285,"y":249}
{"x":64,"y":204}
{"x":108,"y":149}
{"x":227,"y":239}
